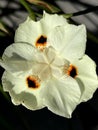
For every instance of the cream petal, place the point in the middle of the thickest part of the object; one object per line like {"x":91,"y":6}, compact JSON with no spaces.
{"x":20,"y":94}
{"x":16,"y":65}
{"x":23,"y":51}
{"x":61,"y":96}
{"x":87,"y":77}
{"x":69,"y":41}
{"x":30,"y":31}
{"x":50,"y":21}
{"x":21,"y":57}
{"x":28,"y":100}
{"x":14,"y":82}
{"x":7,"y":86}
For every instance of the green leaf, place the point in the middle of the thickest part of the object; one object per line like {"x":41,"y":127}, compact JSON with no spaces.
{"x":45,"y":6}
{"x":3,"y":29}
{"x":28,"y":8}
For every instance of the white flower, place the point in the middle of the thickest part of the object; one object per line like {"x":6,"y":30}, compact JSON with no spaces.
{"x":30,"y":74}
{"x":36,"y":33}
{"x":38,"y":79}
{"x":59,"y":77}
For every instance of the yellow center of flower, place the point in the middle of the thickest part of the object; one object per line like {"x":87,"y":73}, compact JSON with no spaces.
{"x":41,"y":42}
{"x":33,"y":82}
{"x":72,"y":71}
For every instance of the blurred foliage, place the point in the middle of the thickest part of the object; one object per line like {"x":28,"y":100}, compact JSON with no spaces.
{"x":50,"y":8}
{"x":3,"y":29}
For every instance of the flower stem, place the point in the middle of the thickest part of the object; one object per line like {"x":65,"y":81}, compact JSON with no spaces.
{"x":4,"y":94}
{"x":28,"y":8}
{"x":89,"y":10}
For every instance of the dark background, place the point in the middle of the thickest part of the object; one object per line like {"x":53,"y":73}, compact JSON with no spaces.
{"x":85,"y":116}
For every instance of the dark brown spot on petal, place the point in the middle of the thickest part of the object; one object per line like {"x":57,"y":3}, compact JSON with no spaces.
{"x":72,"y":71}
{"x":41,"y":41}
{"x":32,"y":82}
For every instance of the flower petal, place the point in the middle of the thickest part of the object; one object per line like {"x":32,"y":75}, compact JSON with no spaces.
{"x":20,"y":94}
{"x":21,"y":57}
{"x":30,"y":31}
{"x":69,"y":41}
{"x":61,"y":96}
{"x":15,"y":82}
{"x":87,"y":77}
{"x":50,"y":21}
{"x":7,"y":86}
{"x":23,"y":51}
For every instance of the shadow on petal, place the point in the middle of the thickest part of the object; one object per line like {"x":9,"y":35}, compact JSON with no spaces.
{"x":82,"y":87}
